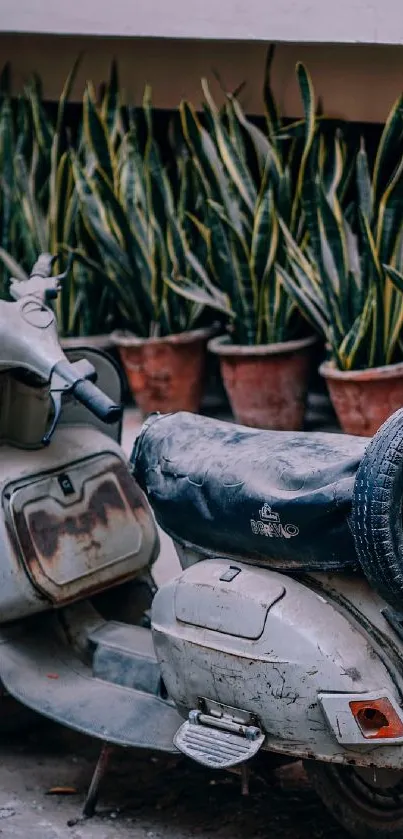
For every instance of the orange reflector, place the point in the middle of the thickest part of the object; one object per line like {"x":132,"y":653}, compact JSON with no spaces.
{"x":377,"y":719}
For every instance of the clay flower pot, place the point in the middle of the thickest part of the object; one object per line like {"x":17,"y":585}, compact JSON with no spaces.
{"x":267,"y":384}
{"x":165,"y":374}
{"x":364,"y":399}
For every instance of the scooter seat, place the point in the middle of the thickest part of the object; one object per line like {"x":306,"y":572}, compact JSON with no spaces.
{"x":278,"y":498}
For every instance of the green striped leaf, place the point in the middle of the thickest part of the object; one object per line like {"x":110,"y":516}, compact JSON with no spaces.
{"x":395,"y":276}
{"x":42,"y":126}
{"x":15,"y":270}
{"x":111,"y":104}
{"x":96,"y":134}
{"x":265,"y":150}
{"x":364,"y":186}
{"x":196,"y":294}
{"x":272,"y":116}
{"x":7,"y":152}
{"x":235,"y":166}
{"x":308,"y":102}
{"x":389,"y":144}
{"x":304,"y":301}
{"x":353,"y":341}
{"x":265,"y":238}
{"x":390,"y":213}
{"x":208,"y":162}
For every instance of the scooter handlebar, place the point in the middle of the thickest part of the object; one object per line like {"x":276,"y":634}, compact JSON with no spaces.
{"x":97,"y":402}
{"x":89,"y":394}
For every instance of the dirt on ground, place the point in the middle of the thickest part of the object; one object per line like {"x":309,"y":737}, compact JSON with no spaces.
{"x":147,"y":796}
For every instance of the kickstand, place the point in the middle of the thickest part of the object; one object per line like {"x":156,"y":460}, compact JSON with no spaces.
{"x":245,"y":776}
{"x":99,"y":773}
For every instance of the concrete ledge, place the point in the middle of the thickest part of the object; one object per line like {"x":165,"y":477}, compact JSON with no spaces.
{"x":288,"y":21}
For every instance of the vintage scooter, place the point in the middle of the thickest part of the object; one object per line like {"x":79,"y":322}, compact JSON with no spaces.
{"x":281,"y":633}
{"x":73,"y":524}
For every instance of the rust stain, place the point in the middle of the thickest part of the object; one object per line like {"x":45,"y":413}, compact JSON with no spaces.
{"x":353,"y":674}
{"x":47,"y":529}
{"x":40,"y":536}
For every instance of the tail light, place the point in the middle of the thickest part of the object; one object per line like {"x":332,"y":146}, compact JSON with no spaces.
{"x":362,"y":718}
{"x":377,"y":719}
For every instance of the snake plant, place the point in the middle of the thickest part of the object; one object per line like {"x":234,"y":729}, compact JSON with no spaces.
{"x":37,"y":185}
{"x":244,"y":201}
{"x":131,"y":234}
{"x":39,"y":202}
{"x":349,"y":283}
{"x":15,"y":137}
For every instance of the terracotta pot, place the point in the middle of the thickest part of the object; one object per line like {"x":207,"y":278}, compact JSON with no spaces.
{"x":266,"y":385}
{"x":364,"y":399}
{"x":165,"y":374}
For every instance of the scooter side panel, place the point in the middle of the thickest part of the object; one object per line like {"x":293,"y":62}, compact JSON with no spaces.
{"x":307,"y":648}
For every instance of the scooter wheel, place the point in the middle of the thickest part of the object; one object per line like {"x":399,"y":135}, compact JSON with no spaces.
{"x":377,"y":511}
{"x":368,"y":803}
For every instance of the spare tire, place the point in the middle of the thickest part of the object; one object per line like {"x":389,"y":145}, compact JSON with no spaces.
{"x":376,"y":515}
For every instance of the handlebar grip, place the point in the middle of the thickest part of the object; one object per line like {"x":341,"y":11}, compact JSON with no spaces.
{"x":97,"y":402}
{"x":89,"y":395}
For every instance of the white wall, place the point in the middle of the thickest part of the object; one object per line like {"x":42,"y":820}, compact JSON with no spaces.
{"x":309,"y":21}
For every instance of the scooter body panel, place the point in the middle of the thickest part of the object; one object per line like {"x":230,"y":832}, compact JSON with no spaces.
{"x":107,"y":686}
{"x":74,"y":522}
{"x":270,"y":645}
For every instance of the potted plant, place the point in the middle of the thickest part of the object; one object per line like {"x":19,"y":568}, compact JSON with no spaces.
{"x":39,"y":208}
{"x":132,"y":238}
{"x":266,"y":354}
{"x":349,"y":283}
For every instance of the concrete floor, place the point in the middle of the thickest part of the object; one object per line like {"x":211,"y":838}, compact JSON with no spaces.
{"x":146,"y":796}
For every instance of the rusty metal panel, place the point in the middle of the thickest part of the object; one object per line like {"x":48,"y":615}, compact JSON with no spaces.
{"x":82,"y":529}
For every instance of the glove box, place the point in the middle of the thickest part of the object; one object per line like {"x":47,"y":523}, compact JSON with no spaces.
{"x":209,"y":625}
